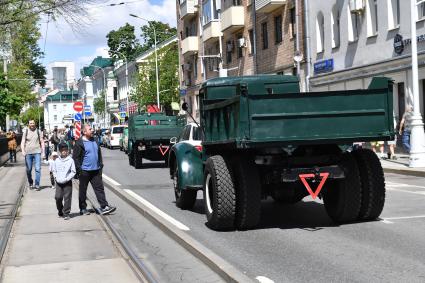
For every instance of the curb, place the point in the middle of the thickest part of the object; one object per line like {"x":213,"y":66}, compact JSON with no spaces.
{"x":405,"y":172}
{"x":223,"y":268}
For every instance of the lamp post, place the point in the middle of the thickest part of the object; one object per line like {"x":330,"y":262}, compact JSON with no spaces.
{"x":126,"y":78}
{"x":104,"y":87}
{"x":417,"y":136}
{"x":156,"y":57}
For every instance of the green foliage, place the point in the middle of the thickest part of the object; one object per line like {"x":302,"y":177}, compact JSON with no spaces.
{"x":35,"y":112}
{"x":163,"y":32}
{"x":124,"y":41}
{"x":9,"y":104}
{"x":168,"y":78}
{"x":99,"y":104}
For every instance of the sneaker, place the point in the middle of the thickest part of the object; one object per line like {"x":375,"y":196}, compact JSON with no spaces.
{"x":37,"y":188}
{"x":60,"y":214}
{"x":30,"y":186}
{"x":84,"y":212}
{"x":67,"y":217}
{"x":107,"y":209}
{"x":53,"y":187}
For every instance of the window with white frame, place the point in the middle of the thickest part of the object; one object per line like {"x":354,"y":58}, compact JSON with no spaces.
{"x":320,"y":32}
{"x":55,"y":118}
{"x":421,"y":10}
{"x":393,"y":14}
{"x":210,"y":11}
{"x":353,"y":25}
{"x":54,"y":106}
{"x":372,"y":17}
{"x":335,"y":26}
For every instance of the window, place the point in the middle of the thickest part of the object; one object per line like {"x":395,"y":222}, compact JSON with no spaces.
{"x":353,"y":25}
{"x":264,"y":35}
{"x":54,"y":106}
{"x":229,"y":49}
{"x":55,"y":117}
{"x":421,"y":11}
{"x":117,"y":130}
{"x":372,"y":17}
{"x":293,"y":22}
{"x":251,"y":41}
{"x":320,"y":32}
{"x":210,"y":11}
{"x":115,"y":93}
{"x":393,"y":14}
{"x":278,"y":29}
{"x":197,"y":134}
{"x":240,"y":48}
{"x":335,"y":27}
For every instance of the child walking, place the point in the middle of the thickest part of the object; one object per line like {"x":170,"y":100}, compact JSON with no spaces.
{"x":64,"y":171}
{"x":51,"y":166}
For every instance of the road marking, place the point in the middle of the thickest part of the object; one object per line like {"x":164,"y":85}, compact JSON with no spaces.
{"x":164,"y":215}
{"x":264,"y":279}
{"x":404,"y":185}
{"x":406,"y":191}
{"x":111,"y":180}
{"x":388,"y":219}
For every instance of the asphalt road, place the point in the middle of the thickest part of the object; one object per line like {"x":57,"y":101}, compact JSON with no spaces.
{"x":299,"y":243}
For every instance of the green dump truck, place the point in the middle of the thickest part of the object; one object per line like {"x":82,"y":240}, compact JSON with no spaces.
{"x":263,"y":138}
{"x":149,"y":136}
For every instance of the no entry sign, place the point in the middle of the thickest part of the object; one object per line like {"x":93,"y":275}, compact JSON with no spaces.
{"x":78,"y":106}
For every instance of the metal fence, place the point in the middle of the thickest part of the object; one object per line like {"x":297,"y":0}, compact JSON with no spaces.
{"x":4,"y":152}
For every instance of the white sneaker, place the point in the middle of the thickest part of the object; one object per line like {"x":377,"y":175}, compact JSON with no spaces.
{"x":53,"y":187}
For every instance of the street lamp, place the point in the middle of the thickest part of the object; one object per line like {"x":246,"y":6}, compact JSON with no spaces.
{"x":417,"y":136}
{"x":104,"y":87}
{"x":126,"y":77}
{"x":156,"y":57}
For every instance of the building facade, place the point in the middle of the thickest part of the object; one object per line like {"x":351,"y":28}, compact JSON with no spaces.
{"x":60,"y":75}
{"x":237,"y":38}
{"x":350,"y":44}
{"x":58,"y":109}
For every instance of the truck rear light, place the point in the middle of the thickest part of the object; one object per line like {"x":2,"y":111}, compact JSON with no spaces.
{"x":198,"y":148}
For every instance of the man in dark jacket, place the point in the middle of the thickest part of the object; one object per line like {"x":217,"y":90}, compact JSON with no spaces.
{"x":88,"y":162}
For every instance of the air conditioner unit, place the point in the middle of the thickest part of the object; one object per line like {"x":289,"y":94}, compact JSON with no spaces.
{"x":241,"y":42}
{"x":229,"y":46}
{"x":357,"y":6}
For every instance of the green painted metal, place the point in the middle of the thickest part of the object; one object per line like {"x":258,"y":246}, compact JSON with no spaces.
{"x":263,"y":111}
{"x":190,"y":165}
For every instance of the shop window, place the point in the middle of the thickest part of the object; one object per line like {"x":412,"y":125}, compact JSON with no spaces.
{"x":393,"y":14}
{"x":320,"y":32}
{"x":278,"y":29}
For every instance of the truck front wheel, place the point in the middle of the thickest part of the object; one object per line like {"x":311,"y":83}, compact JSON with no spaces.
{"x":373,"y":184}
{"x":185,"y":199}
{"x":219,"y":194}
{"x":342,"y":198}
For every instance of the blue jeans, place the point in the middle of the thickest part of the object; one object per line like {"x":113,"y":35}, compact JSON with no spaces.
{"x":29,"y":160}
{"x":405,"y":139}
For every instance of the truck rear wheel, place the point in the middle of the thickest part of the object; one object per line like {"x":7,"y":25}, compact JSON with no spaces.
{"x":248,"y":193}
{"x":342,"y":198}
{"x":185,"y":199}
{"x":138,"y":160}
{"x":373,"y":184}
{"x":131,"y":158}
{"x":219,"y":194}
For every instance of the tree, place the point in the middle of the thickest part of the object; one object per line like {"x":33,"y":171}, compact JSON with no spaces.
{"x":35,"y":113}
{"x":9,"y":104}
{"x":124,"y":41}
{"x":163,"y":32}
{"x":99,"y":104}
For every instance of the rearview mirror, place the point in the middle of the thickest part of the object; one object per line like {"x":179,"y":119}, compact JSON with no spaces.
{"x":185,"y":106}
{"x":173,"y":140}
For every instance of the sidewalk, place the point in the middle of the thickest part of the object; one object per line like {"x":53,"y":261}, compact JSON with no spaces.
{"x":401,"y":166}
{"x":45,"y":248}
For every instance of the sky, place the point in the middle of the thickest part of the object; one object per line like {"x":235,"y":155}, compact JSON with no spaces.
{"x":81,"y":47}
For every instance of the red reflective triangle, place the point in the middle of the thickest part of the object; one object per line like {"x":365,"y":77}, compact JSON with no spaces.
{"x":303,"y":178}
{"x":166,"y":149}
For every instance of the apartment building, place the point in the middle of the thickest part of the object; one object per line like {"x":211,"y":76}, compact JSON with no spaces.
{"x":236,"y":38}
{"x":353,"y":41}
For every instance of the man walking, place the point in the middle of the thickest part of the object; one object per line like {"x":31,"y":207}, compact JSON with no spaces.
{"x":32,"y":148}
{"x":88,"y":162}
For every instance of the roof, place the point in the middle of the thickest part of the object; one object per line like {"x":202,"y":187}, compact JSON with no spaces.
{"x":63,"y":96}
{"x":98,"y":61}
{"x":269,"y":79}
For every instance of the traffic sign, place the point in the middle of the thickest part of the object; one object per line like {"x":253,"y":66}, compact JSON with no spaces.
{"x":78,"y":106}
{"x":78,"y":117}
{"x":87,"y":107}
{"x":122,"y":114}
{"x":87,"y":113}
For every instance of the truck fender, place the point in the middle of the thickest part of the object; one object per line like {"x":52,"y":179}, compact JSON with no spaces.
{"x":189,"y":164}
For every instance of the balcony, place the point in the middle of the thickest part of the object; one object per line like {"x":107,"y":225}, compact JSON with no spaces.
{"x":188,"y":9}
{"x":211,"y":30}
{"x":232,"y":19}
{"x":267,"y":6}
{"x":190,"y":44}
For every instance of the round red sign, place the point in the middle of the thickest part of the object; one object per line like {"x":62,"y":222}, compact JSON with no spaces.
{"x":78,"y":106}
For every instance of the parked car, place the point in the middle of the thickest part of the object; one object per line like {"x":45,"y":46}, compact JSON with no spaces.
{"x":116,"y":133}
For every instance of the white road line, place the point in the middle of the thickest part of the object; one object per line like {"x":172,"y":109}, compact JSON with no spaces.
{"x":111,"y":180}
{"x":164,"y":215}
{"x":404,"y":185}
{"x":406,"y":191}
{"x":388,"y":219}
{"x":263,"y":279}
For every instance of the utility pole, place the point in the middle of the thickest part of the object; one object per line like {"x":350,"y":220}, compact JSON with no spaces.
{"x":417,"y":136}
{"x":5,"y":76}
